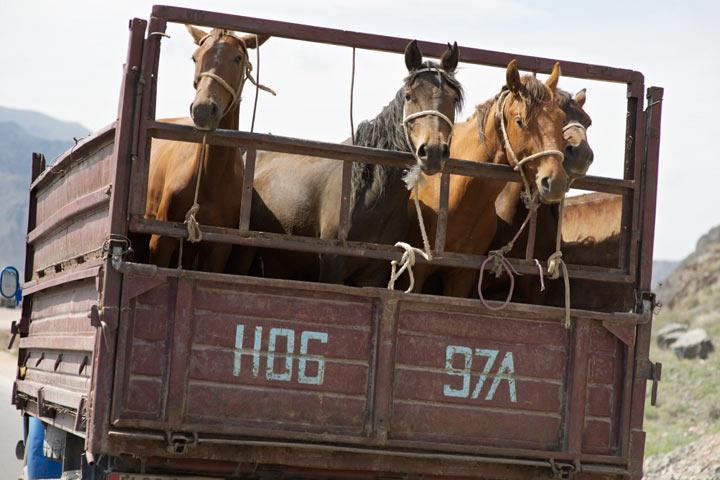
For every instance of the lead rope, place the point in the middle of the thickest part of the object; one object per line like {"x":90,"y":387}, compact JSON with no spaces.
{"x":556,"y":264}
{"x":193,"y":227}
{"x":407,"y":261}
{"x":531,"y":201}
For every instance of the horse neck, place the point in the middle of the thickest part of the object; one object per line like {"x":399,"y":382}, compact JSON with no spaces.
{"x":219,"y":164}
{"x":375,"y":185}
{"x":477,"y":142}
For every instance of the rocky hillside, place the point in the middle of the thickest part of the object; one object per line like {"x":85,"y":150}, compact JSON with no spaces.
{"x":21,"y":133}
{"x":683,"y":429}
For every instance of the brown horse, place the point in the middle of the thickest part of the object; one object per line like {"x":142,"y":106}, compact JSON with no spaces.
{"x":529,"y":112}
{"x":511,"y":210}
{"x":591,"y":232}
{"x":300,"y":195}
{"x":221,"y":68}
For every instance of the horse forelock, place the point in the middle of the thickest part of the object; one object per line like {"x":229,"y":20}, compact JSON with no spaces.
{"x":437,"y":78}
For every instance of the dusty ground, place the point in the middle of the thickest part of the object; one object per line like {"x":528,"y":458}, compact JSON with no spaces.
{"x":699,"y":460}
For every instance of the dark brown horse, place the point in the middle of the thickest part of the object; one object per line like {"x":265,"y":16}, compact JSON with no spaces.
{"x":529,"y":112}
{"x":300,"y":195}
{"x":511,"y":210}
{"x":221,"y":68}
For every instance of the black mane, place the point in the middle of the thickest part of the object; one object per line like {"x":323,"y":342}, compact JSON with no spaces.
{"x":386,"y":131}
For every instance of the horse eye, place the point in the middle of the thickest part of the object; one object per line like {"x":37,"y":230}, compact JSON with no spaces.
{"x":193,"y":59}
{"x":407,"y":97}
{"x":237,"y":59}
{"x":519,"y":122}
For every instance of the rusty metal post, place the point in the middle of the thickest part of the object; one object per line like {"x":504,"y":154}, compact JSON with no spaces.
{"x":104,"y":361}
{"x":441,"y":227}
{"x":247,"y":190}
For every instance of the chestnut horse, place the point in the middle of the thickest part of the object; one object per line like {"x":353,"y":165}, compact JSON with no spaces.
{"x":591,"y":232}
{"x":300,"y":195}
{"x":529,"y":113}
{"x":511,"y":210}
{"x":221,"y":68}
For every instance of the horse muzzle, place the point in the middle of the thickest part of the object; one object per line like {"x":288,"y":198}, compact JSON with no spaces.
{"x":552,"y":189}
{"x":432,"y":157}
{"x":206,"y":115}
{"x":578,"y":159}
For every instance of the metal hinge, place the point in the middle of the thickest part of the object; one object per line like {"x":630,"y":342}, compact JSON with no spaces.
{"x":646,"y":303}
{"x":178,"y":442}
{"x":565,"y":470}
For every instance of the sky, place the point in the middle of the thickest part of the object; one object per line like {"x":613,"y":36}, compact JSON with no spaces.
{"x":65,"y":59}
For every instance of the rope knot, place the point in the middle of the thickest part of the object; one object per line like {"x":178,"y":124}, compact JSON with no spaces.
{"x":530,"y":200}
{"x":408,"y":262}
{"x":193,"y":227}
{"x":554,"y":263}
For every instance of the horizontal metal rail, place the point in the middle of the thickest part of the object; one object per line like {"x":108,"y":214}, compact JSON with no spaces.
{"x":356,"y":249}
{"x":351,"y":153}
{"x":387,"y":44}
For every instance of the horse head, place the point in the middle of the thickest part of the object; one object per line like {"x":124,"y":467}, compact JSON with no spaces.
{"x":531,"y":122}
{"x":221,"y":68}
{"x":432,"y":97}
{"x":578,"y":154}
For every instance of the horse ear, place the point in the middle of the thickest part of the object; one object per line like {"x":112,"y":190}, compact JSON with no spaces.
{"x":196,"y":33}
{"x":253,"y":41}
{"x":413,"y":56}
{"x":449,"y":60}
{"x":580,"y":97}
{"x":512,"y":77}
{"x":552,"y":80}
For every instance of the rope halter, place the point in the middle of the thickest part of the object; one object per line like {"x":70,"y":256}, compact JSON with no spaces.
{"x":577,"y":126}
{"x":407,"y":261}
{"x":245,"y":73}
{"x":519,"y":163}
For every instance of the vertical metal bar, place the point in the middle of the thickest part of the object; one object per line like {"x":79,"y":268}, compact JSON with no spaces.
{"x":104,"y":354}
{"x":642,"y":343}
{"x":532,"y":232}
{"x":345,"y":201}
{"x":180,"y":351}
{"x":247,"y":192}
{"x":633,"y":170}
{"x":148,"y":83}
{"x":577,"y":390}
{"x":441,"y":227}
{"x":385,"y":372}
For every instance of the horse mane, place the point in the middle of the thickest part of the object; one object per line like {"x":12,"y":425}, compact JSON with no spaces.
{"x":386,"y":131}
{"x":534,"y":93}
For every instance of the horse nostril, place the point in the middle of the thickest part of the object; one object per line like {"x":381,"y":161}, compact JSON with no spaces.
{"x":214,"y":108}
{"x":422,"y":151}
{"x":445,"y":150}
{"x":191,"y":109}
{"x":568,"y":150}
{"x":545,"y":183}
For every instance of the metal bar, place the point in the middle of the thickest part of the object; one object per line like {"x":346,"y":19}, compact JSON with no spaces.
{"x":344,"y":225}
{"x":532,"y":233}
{"x":104,"y":354}
{"x":146,"y":96}
{"x":77,"y":207}
{"x":642,"y":343}
{"x":350,"y":153}
{"x":649,"y":187}
{"x":247,"y":190}
{"x":384,"y":43}
{"x":89,"y":269}
{"x":384,"y":372}
{"x":180,"y":352}
{"x":354,"y":249}
{"x":442,"y":218}
{"x":577,"y":385}
{"x":635,"y":169}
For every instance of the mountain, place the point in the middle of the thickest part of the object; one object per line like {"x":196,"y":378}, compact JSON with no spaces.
{"x":43,"y":126}
{"x":22,"y":133}
{"x":695,"y":283}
